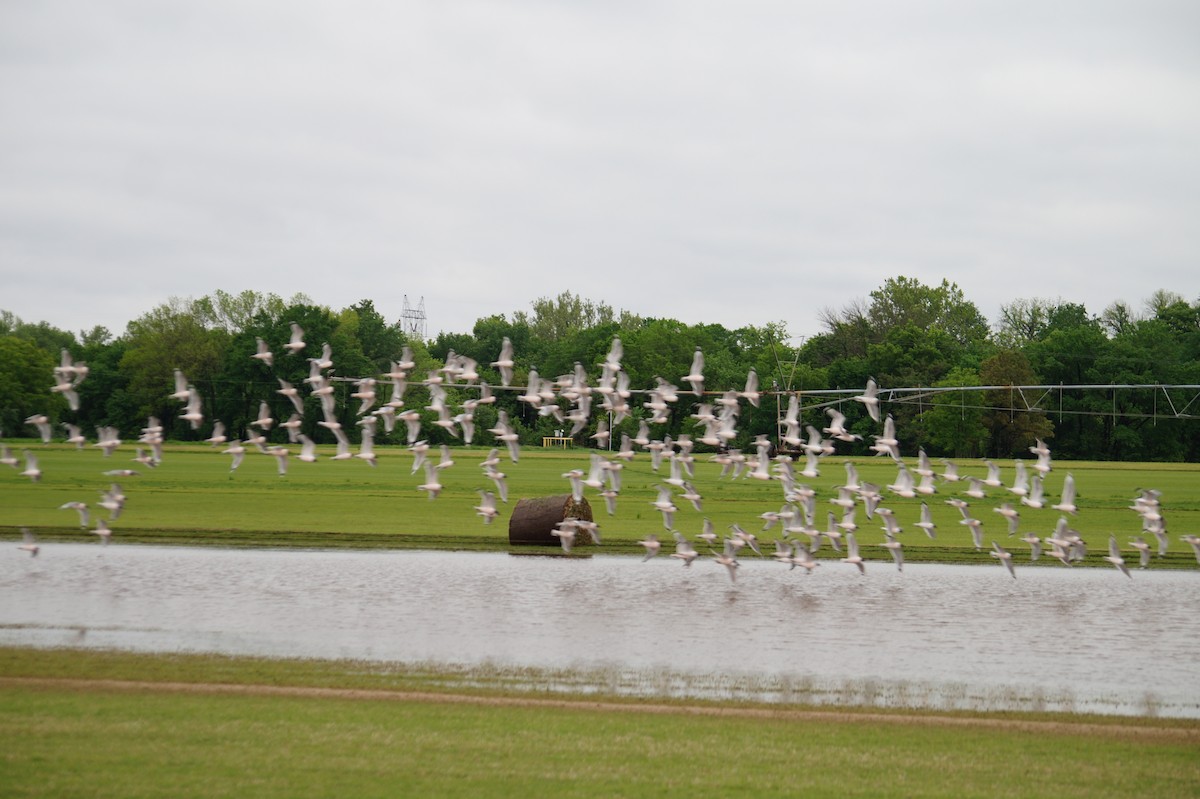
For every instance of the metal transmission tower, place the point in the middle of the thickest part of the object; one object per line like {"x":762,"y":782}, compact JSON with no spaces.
{"x":412,"y":320}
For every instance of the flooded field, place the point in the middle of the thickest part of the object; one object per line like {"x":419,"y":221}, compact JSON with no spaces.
{"x":934,"y":636}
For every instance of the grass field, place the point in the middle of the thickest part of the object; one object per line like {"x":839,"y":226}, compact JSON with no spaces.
{"x":193,"y":498}
{"x":107,"y":724}
{"x":83,"y":723}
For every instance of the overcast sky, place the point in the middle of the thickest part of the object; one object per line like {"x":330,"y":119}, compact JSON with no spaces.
{"x":735,"y":163}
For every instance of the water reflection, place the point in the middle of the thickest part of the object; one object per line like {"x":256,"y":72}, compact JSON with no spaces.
{"x":940,"y":636}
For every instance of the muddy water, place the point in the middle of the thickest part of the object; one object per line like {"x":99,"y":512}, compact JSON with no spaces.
{"x":932,"y":636}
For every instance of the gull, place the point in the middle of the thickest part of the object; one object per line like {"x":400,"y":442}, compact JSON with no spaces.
{"x":81,"y":508}
{"x":837,"y":426}
{"x":1114,"y":556}
{"x":950,"y":475}
{"x":264,"y":420}
{"x":1004,"y":557}
{"x":1194,"y":543}
{"x":816,"y":444}
{"x":147,"y":460}
{"x":7,"y":458}
{"x":342,"y":451}
{"x":30,"y":544}
{"x":281,"y":458}
{"x":610,"y":500}
{"x":1035,"y":545}
{"x":666,"y":506}
{"x":31,"y":467}
{"x":42,"y":423}
{"x":903,"y":487}
{"x":566,"y":531}
{"x":601,"y":435}
{"x":1011,"y":515}
{"x":296,"y":341}
{"x":290,"y":391}
{"x":845,"y":498}
{"x":103,"y":531}
{"x":420,"y":451}
{"x":501,"y":484}
{"x":696,"y":376}
{"x":975,"y":488}
{"x":888,"y":444}
{"x":66,"y":387}
{"x":113,"y":501}
{"x":615,"y":353}
{"x":431,"y":483}
{"x":926,"y":522}
{"x":487,"y":506}
{"x":575,"y":477}
{"x":783,"y":552}
{"x":412,"y":422}
{"x":238,"y":452}
{"x":1143,"y":549}
{"x":365,"y":394}
{"x":684,"y":550}
{"x":976,"y":531}
{"x":993,"y":475}
{"x":121,"y":473}
{"x":897,"y":551}
{"x":852,"y":556}
{"x":802,"y":557}
{"x":707,"y":534}
{"x":1035,"y":499}
{"x":652,"y":545}
{"x":192,"y":413}
{"x":505,"y":363}
{"x":326,"y":359}
{"x":1020,"y":485}
{"x":891,"y":527}
{"x":1067,"y":503}
{"x":1043,"y":457}
{"x":181,"y":387}
{"x":107,"y":439}
{"x":292,"y":426}
{"x":923,"y":468}
{"x":262,"y":353}
{"x":747,"y":538}
{"x":366,"y":448}
{"x":308,"y":449}
{"x":870,"y":398}
{"x":532,"y":397}
{"x":728,"y":559}
{"x":751,"y":393}
{"x":691,"y":495}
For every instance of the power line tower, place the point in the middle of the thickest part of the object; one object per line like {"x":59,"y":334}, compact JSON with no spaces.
{"x":412,"y":320}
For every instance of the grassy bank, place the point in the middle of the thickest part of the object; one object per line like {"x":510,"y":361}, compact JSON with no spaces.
{"x":182,"y":731}
{"x":193,"y":498}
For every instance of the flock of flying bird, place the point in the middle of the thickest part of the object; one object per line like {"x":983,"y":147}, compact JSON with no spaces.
{"x":570,"y":399}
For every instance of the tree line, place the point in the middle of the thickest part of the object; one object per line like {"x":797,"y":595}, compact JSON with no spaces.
{"x":904,"y":334}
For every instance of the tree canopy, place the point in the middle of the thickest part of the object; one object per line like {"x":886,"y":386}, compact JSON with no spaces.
{"x":904,"y":334}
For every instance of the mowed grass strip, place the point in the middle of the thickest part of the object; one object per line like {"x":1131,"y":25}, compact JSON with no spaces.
{"x":102,"y":742}
{"x":194,"y":498}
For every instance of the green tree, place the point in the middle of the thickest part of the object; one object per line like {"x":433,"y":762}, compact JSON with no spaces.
{"x":954,"y":424}
{"x":1011,"y":427}
{"x":26,"y":374}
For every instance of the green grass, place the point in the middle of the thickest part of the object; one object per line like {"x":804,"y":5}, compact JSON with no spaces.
{"x":193,"y":498}
{"x":98,"y":739}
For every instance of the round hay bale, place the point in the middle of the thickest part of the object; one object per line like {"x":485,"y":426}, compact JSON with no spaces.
{"x":533,"y":520}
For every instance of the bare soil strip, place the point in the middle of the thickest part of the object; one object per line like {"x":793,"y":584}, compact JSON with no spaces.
{"x":1182,"y":734}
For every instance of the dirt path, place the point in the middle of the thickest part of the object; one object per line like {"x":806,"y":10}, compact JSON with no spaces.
{"x":1181,"y":734}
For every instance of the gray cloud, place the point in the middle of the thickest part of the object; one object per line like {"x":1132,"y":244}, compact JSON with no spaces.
{"x":711,"y":162}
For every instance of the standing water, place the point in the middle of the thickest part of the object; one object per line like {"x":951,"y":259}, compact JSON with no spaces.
{"x":935,"y":636}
